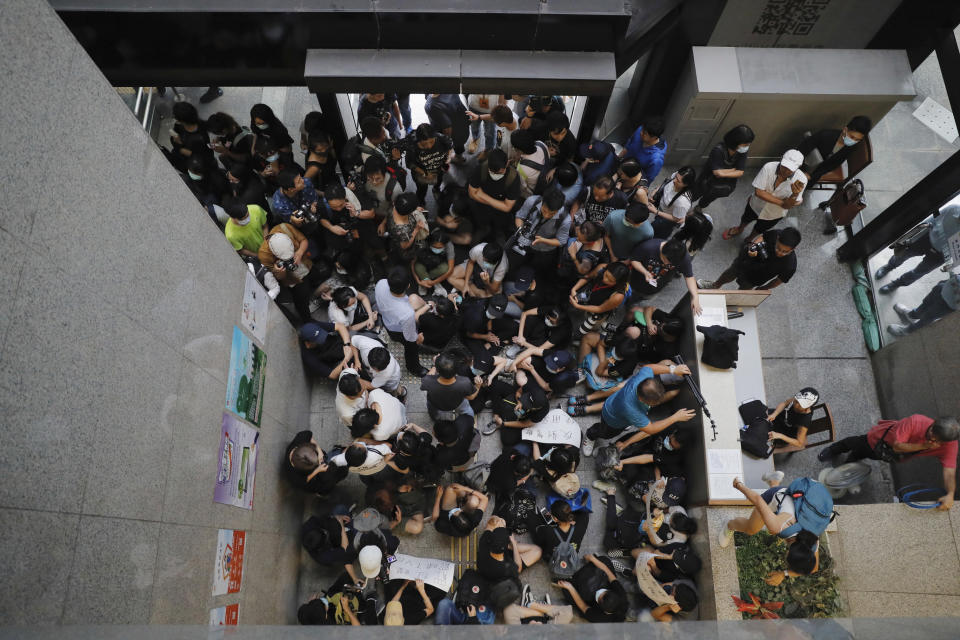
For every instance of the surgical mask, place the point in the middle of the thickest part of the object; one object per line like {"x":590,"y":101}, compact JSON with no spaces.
{"x":438,"y":250}
{"x":476,"y":371}
{"x":489,"y":317}
{"x":743,"y":148}
{"x":550,"y":323}
{"x":341,"y":271}
{"x":454,"y":512}
{"x":273,"y":158}
{"x":194,"y":176}
{"x":666,"y":444}
{"x":243,"y":222}
{"x":848,"y":141}
{"x":486,"y":265}
{"x":612,"y":354}
{"x":518,"y":411}
{"x":600,"y":592}
{"x":627,"y":223}
{"x":263,"y":126}
{"x":496,"y":176}
{"x":350,"y":308}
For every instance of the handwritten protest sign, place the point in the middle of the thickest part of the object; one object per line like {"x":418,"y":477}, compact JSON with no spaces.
{"x":438,"y":573}
{"x":556,"y":428}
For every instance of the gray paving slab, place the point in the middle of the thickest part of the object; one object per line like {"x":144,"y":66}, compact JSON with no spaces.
{"x":9,"y":245}
{"x":277,"y":507}
{"x":269,"y":594}
{"x":111,"y":580}
{"x":182,"y":589}
{"x":38,"y":556}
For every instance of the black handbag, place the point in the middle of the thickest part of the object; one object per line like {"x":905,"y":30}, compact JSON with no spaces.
{"x":721,"y":346}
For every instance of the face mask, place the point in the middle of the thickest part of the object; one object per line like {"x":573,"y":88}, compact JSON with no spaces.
{"x":550,"y":323}
{"x":194,"y":176}
{"x":351,"y":307}
{"x":476,"y":371}
{"x":518,"y":411}
{"x":627,"y":223}
{"x":273,"y":158}
{"x":743,"y":148}
{"x":438,"y":250}
{"x":489,"y":317}
{"x":666,"y":444}
{"x":612,"y":354}
{"x":341,"y":271}
{"x":486,"y":265}
{"x":243,"y":222}
{"x":848,"y":141}
{"x":453,"y":512}
{"x":496,"y":176}
{"x":599,"y":593}
{"x":263,"y":126}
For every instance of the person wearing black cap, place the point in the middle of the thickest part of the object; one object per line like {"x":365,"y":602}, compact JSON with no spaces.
{"x":517,"y":406}
{"x":553,"y":370}
{"x":325,"y":349}
{"x":484,"y":323}
{"x":522,"y":291}
{"x":493,"y":563}
{"x":599,"y":159}
{"x":595,"y":591}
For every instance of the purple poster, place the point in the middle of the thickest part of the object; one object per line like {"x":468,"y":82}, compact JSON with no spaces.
{"x":237,"y":463}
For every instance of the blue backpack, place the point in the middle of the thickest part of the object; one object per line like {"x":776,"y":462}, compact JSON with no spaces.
{"x":813,"y":506}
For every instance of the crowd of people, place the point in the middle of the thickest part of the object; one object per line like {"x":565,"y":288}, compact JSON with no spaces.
{"x":525,"y":273}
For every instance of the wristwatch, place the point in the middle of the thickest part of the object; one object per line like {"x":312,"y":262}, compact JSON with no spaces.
{"x":673,"y":368}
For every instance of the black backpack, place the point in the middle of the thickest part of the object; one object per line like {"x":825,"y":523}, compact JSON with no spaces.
{"x":504,"y":593}
{"x":721,"y":346}
{"x":472,"y":589}
{"x":756,"y":429}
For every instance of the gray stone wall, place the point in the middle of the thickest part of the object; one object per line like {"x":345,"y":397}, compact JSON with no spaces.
{"x":119,"y":298}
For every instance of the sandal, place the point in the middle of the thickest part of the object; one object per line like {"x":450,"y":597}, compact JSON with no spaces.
{"x":726,"y":235}
{"x":577,"y":410}
{"x":576,"y":401}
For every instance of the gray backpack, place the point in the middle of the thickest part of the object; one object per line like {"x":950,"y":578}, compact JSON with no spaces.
{"x":607,"y":457}
{"x":565,"y":560}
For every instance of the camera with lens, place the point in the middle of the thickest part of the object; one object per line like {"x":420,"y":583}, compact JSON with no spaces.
{"x":761,"y":250}
{"x":583,"y":296}
{"x":523,"y":240}
{"x":286,"y":265}
{"x":608,"y":333}
{"x":304,"y":215}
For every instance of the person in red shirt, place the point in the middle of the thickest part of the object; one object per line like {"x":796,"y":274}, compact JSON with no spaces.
{"x":898,"y":440}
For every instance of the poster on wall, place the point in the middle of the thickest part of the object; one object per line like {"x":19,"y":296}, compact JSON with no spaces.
{"x":248,"y":364}
{"x":237,"y":463}
{"x":253,"y":315}
{"x":228,"y":566}
{"x":222,"y":616}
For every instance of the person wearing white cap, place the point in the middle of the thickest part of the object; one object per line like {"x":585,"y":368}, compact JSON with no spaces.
{"x":371,"y":561}
{"x":791,"y":419}
{"x":777,"y":188}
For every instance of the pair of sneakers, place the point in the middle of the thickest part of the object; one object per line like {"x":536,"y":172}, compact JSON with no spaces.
{"x":526,"y":598}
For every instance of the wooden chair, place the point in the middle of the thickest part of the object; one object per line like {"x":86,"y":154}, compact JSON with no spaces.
{"x":822,"y":424}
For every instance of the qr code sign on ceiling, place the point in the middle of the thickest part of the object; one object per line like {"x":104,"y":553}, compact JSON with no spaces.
{"x":789,"y":17}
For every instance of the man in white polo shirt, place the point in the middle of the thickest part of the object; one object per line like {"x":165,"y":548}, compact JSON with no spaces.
{"x":777,"y":188}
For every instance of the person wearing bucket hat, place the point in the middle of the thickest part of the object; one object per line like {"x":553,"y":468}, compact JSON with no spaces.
{"x":790,"y":420}
{"x":777,"y":189}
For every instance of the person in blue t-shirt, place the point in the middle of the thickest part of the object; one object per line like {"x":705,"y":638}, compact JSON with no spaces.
{"x":647,"y":147}
{"x":628,"y":403}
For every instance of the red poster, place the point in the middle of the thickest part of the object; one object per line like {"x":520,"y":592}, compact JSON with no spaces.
{"x":228,"y":569}
{"x":222,"y":616}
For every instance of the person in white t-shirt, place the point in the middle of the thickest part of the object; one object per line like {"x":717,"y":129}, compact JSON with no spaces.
{"x":481,"y":276}
{"x":480,"y":104}
{"x":352,"y":309}
{"x":383,"y":367}
{"x":351,"y":395}
{"x":383,"y":417}
{"x":777,"y":189}
{"x":363,"y":459}
{"x":502,"y":118}
{"x":671,"y":203}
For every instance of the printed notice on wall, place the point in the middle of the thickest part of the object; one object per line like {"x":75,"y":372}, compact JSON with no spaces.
{"x":556,"y":428}
{"x":438,"y":573}
{"x":248,"y":363}
{"x":222,"y":616}
{"x":237,"y":463}
{"x":256,"y":304}
{"x":228,"y":566}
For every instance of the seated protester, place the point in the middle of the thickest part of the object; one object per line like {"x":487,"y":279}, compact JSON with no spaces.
{"x":494,"y":190}
{"x":296,"y":194}
{"x":453,"y":216}
{"x":522,"y":291}
{"x":469,"y":605}
{"x":500,"y":556}
{"x":655,"y":261}
{"x":434,"y":263}
{"x":543,"y":328}
{"x":382,"y":418}
{"x":246,"y":227}
{"x":564,"y":525}
{"x":372,"y":462}
{"x":326,"y":350}
{"x":407,"y":229}
{"x":379,"y":186}
{"x":414,"y":452}
{"x":676,"y":526}
{"x":384,"y":369}
{"x":232,"y":142}
{"x":724,"y":166}
{"x":599,"y":160}
{"x":606,"y":366}
{"x":206,"y":182}
{"x":483,"y":325}
{"x":439,"y":322}
{"x":553,"y":461}
{"x":245,"y":186}
{"x":627,"y":405}
{"x":834,"y":146}
{"x":600,"y":295}
{"x":345,"y":221}
{"x":583,"y":256}
{"x":647,"y":146}
{"x":320,"y":160}
{"x":569,"y":180}
{"x":554,"y":371}
{"x":595,"y":591}
{"x":448,"y":395}
{"x":543,"y":228}
{"x":510,"y":471}
{"x":630,"y":181}
{"x":597,"y":202}
{"x":696,"y":231}
{"x":340,"y":606}
{"x":533,"y":164}
{"x":318,"y":611}
{"x":659,"y":456}
{"x":517,"y":406}
{"x":457,"y":510}
{"x":778,"y":187}
{"x":454,"y":442}
{"x":428,"y":157}
{"x":766,"y":262}
{"x":683,"y":591}
{"x":284,"y":253}
{"x":672,"y":201}
{"x":658,"y":334}
{"x":790,"y":420}
{"x":409,"y":602}
{"x":666,"y":567}
{"x":626,"y":228}
{"x":352,"y":270}
{"x":351,"y":395}
{"x":308,"y":467}
{"x":352,"y":309}
{"x":398,"y":312}
{"x":485,"y":367}
{"x":329,"y":541}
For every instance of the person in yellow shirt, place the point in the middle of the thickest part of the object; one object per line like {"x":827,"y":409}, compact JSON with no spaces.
{"x":246,"y":227}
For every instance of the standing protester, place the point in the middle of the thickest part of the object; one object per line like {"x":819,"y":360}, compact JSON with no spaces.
{"x":777,"y":189}
{"x":672,"y":201}
{"x":398,"y":312}
{"x":930,"y":245}
{"x":597,"y":202}
{"x":626,"y":228}
{"x":647,"y":147}
{"x":428,"y":157}
{"x":543,"y":227}
{"x":724,"y":166}
{"x":448,"y":115}
{"x":494,"y":189}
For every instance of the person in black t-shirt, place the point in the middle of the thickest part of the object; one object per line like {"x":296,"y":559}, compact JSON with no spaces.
{"x":790,"y":420}
{"x":438,"y":321}
{"x":454,"y":441}
{"x":724,"y":165}
{"x":500,"y":556}
{"x":766,"y":262}
{"x":655,"y":261}
{"x":596,"y":202}
{"x":548,"y":536}
{"x":428,"y":156}
{"x":541,"y":329}
{"x":457,"y":510}
{"x":554,"y":370}
{"x":384,"y":108}
{"x":517,"y":406}
{"x":308,"y":468}
{"x":494,"y":190}
{"x":595,"y":591}
{"x":561,"y":144}
{"x":417,"y":599}
{"x":664,"y":451}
